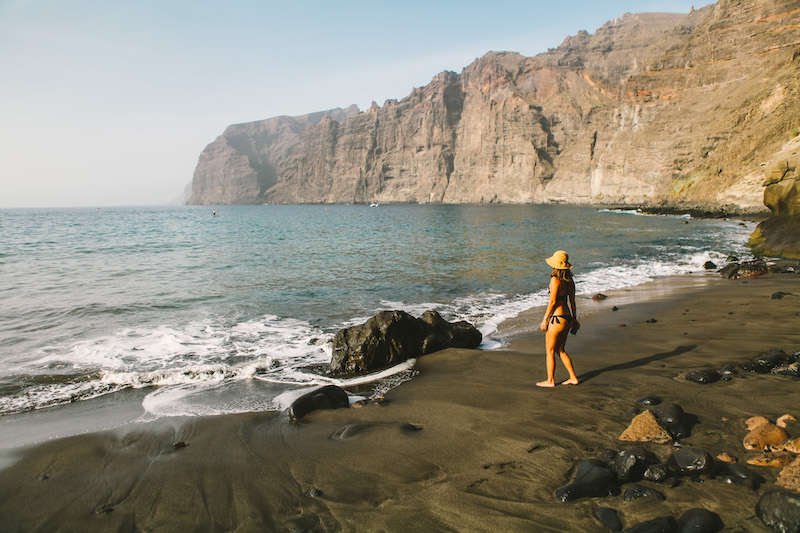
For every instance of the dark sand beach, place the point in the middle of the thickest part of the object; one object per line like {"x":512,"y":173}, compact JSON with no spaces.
{"x":470,"y":444}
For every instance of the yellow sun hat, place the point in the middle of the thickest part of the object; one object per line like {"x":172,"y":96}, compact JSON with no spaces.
{"x":560,"y":260}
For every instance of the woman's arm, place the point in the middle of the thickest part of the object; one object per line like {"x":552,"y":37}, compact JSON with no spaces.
{"x":554,"y":284}
{"x":572,"y":304}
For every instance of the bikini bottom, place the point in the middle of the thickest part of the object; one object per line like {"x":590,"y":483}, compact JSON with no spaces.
{"x":556,"y":319}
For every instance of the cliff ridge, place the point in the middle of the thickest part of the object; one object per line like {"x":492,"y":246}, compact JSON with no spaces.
{"x":653,"y":108}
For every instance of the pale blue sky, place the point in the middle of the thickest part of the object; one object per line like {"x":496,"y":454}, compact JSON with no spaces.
{"x":110,"y":102}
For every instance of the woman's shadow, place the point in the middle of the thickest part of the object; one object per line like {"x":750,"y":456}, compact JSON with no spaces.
{"x":637,"y":362}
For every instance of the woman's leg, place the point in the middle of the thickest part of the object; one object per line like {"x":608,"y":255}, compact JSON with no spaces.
{"x":565,"y":359}
{"x":551,"y":344}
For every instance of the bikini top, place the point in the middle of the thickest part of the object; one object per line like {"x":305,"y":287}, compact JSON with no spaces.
{"x":562,"y":298}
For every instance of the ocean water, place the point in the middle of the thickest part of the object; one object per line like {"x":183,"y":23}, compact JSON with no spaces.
{"x":202,"y":314}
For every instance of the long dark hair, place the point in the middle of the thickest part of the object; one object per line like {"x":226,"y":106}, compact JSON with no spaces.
{"x":562,"y":274}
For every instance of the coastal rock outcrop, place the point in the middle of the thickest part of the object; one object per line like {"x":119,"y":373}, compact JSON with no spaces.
{"x":782,"y":186}
{"x":650,"y":109}
{"x":780,"y":234}
{"x":747,"y":269}
{"x":391,"y":337}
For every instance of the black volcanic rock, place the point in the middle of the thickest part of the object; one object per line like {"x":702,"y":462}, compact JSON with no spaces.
{"x":780,"y":510}
{"x":391,"y":337}
{"x":593,"y":478}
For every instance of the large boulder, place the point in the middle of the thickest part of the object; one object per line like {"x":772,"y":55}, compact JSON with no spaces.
{"x":780,"y":234}
{"x":777,"y":236}
{"x":747,"y":269}
{"x":782,"y":186}
{"x":391,"y":337}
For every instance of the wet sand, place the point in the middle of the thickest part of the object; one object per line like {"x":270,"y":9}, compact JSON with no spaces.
{"x":470,"y":444}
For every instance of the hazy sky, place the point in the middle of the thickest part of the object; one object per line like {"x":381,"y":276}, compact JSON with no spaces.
{"x":110,"y":102}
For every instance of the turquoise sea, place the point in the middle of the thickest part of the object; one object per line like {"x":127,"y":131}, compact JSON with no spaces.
{"x":180,"y":312}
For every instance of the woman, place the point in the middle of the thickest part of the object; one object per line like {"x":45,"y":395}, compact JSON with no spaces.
{"x":559,"y":318}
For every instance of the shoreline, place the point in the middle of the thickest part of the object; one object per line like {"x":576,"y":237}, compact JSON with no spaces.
{"x":468,"y":444}
{"x":123,"y":409}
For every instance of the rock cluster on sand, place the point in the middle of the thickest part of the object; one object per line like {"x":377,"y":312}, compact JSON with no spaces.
{"x":777,"y":447}
{"x":661,"y":424}
{"x":620,"y":472}
{"x":606,"y":476}
{"x":646,"y":428}
{"x":751,"y":269}
{"x":778,"y":508}
{"x":772,"y":362}
{"x":391,"y":337}
{"x":748,"y":269}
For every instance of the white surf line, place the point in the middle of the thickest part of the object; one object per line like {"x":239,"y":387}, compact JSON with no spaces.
{"x":348,"y":382}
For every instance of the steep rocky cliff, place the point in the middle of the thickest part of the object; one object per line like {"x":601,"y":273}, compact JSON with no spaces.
{"x":651,"y":108}
{"x":244,"y":162}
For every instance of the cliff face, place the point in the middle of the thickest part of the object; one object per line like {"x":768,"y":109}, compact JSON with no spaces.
{"x":244,"y":162}
{"x":651,"y":108}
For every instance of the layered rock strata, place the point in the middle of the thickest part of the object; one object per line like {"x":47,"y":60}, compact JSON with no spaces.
{"x":677,"y":109}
